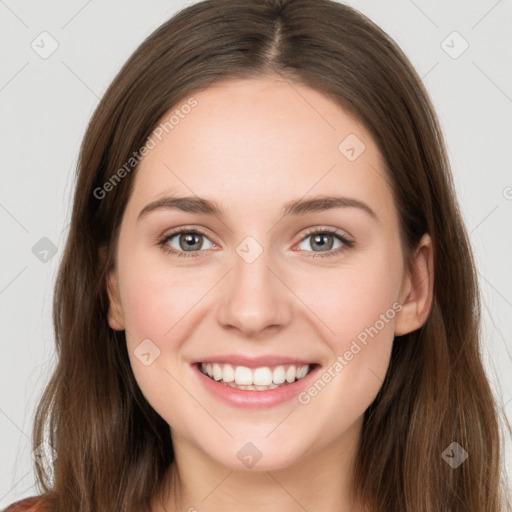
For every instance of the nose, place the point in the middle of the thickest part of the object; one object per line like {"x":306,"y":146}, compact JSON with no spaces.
{"x":255,"y":299}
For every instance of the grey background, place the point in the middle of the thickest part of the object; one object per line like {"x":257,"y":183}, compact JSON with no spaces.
{"x":46,"y":103}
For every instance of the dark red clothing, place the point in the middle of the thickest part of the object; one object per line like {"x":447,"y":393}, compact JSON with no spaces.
{"x":33,"y":504}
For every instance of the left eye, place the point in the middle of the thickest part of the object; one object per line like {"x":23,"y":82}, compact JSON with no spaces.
{"x":325,"y":241}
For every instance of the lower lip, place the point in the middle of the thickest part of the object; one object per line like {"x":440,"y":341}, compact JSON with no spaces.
{"x":254,"y":399}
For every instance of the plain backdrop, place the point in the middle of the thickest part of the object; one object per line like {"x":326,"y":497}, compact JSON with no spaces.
{"x":462,"y":50}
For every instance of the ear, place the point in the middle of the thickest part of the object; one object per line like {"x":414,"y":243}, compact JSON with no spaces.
{"x":115,"y":310}
{"x":417,"y":289}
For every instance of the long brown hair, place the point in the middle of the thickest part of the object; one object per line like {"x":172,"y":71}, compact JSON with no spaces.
{"x":112,"y":448}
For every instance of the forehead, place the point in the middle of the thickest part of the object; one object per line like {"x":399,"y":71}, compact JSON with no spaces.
{"x":261,"y":141}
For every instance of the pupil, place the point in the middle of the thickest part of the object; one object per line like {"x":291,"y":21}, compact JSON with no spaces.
{"x":190,"y":242}
{"x":318,"y":241}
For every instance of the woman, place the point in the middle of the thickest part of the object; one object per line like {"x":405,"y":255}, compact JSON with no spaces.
{"x":200,"y":368}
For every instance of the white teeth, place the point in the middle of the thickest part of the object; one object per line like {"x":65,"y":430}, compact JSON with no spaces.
{"x":262,"y":376}
{"x":217,"y":371}
{"x":290,"y":374}
{"x":228,"y":373}
{"x":243,"y":376}
{"x":301,"y":372}
{"x":252,"y":388}
{"x":278,"y":375}
{"x":258,"y":378}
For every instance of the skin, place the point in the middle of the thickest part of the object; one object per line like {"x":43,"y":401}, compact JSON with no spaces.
{"x":253,"y":145}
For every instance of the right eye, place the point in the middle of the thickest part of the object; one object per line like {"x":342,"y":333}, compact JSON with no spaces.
{"x":187,"y":241}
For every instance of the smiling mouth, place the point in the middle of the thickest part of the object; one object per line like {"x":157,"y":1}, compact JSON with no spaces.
{"x":255,"y":379}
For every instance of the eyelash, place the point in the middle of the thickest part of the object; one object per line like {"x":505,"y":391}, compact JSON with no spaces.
{"x":347,"y":244}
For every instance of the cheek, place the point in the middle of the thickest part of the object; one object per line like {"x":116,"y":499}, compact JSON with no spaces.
{"x":156,"y":297}
{"x":158,"y":304}
{"x":353,"y":298}
{"x":357,"y":306}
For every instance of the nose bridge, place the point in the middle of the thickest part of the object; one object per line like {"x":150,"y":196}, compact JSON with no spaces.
{"x":253,"y":298}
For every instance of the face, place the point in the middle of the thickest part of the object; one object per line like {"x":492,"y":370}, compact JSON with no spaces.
{"x":263,"y":284}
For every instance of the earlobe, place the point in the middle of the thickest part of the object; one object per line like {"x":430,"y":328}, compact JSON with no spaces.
{"x":115,"y":310}
{"x":417,"y":290}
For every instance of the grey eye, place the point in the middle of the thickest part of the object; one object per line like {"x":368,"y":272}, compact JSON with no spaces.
{"x":322,"y":241}
{"x":189,"y":241}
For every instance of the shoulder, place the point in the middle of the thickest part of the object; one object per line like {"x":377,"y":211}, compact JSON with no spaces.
{"x":33,"y":504}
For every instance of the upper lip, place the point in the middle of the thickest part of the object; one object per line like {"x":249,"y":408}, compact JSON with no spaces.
{"x":254,"y":362}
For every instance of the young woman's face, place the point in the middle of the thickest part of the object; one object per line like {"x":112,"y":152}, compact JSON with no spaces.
{"x":264,"y":283}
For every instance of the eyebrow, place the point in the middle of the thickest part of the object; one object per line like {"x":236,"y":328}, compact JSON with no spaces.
{"x":297,"y":207}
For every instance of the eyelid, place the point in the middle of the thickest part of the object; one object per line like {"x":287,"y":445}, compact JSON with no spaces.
{"x":187,"y":229}
{"x":326,"y":229}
